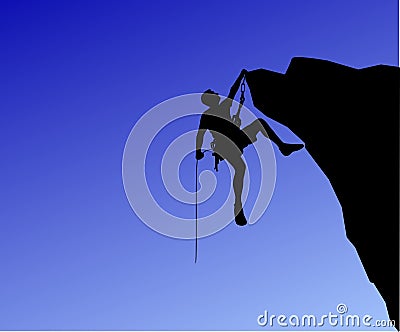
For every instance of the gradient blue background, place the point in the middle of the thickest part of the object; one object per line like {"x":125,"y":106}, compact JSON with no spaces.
{"x":75,"y":77}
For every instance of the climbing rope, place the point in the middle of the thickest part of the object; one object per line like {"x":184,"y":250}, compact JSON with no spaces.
{"x":236,"y":118}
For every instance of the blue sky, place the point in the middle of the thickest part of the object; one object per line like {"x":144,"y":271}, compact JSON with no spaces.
{"x":75,"y":77}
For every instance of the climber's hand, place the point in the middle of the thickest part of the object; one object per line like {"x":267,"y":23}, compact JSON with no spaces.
{"x":199,"y":154}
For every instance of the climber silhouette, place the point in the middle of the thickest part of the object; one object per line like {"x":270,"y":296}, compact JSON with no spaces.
{"x":230,"y":140}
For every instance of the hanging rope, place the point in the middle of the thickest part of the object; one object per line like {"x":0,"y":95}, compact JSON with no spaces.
{"x":195,"y":249}
{"x":196,"y":208}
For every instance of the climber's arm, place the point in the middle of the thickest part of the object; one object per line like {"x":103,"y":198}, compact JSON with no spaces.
{"x":200,"y":136}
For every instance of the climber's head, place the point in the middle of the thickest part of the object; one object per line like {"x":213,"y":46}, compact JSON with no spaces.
{"x":210,"y":98}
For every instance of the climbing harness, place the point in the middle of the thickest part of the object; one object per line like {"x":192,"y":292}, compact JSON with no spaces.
{"x":217,"y":157}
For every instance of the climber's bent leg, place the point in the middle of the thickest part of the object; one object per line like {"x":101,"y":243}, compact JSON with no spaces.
{"x":260,"y":125}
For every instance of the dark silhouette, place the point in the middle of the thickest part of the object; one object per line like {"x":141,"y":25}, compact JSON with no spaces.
{"x":349,"y":121}
{"x":230,"y":140}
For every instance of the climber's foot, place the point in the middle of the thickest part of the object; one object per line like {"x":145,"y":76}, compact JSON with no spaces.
{"x":240,"y":219}
{"x":287,"y":149}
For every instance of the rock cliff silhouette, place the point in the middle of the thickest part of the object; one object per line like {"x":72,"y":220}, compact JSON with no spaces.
{"x":349,"y":121}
